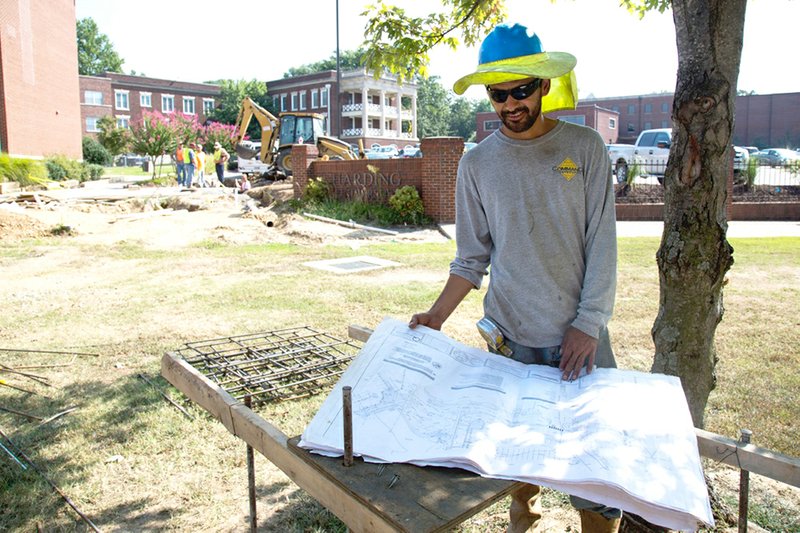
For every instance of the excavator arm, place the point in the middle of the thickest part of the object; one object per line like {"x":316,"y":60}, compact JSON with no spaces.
{"x":270,"y":129}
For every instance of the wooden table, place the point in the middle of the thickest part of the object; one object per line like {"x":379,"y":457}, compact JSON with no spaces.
{"x":367,"y":497}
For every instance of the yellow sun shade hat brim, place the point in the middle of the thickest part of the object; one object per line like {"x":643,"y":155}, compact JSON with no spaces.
{"x":510,"y":53}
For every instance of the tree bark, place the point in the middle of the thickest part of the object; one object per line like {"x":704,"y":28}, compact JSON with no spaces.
{"x":694,"y":255}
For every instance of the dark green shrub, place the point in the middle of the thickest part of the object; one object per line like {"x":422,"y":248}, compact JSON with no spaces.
{"x":95,"y":171}
{"x":94,"y":153}
{"x":317,"y":191}
{"x":61,"y":168}
{"x":24,"y":171}
{"x":407,"y":204}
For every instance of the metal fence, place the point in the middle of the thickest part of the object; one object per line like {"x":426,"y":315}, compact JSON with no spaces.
{"x":779,"y":175}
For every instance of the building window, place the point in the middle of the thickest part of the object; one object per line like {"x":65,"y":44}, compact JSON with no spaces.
{"x":283,"y":102}
{"x":665,"y":123}
{"x":631,"y":127}
{"x":123,"y":121}
{"x":615,"y":108}
{"x":648,"y":125}
{"x":575,"y":119}
{"x":294,"y":102}
{"x":276,"y":102}
{"x":91,"y":124}
{"x":612,"y":123}
{"x":491,"y":125}
{"x":121,"y":100}
{"x":167,"y":103}
{"x":302,"y":100}
{"x":208,"y":106}
{"x":665,"y":107}
{"x":631,"y":109}
{"x":93,"y":97}
{"x":315,"y":99}
{"x":324,"y":97}
{"x":648,"y":108}
{"x":188,"y":105}
{"x":146,"y":99}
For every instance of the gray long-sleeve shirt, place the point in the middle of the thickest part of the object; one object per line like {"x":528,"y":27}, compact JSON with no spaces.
{"x":541,"y":213}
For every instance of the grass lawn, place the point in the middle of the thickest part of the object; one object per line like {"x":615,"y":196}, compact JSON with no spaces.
{"x":132,"y":462}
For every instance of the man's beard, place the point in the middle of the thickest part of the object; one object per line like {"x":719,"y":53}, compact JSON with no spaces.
{"x":526,"y":123}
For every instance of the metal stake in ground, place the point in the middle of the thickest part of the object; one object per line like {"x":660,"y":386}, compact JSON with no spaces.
{"x":744,"y":485}
{"x":251,"y":477}
{"x":347,"y":419}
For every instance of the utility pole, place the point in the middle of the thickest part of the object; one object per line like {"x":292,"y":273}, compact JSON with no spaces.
{"x":337,"y":102}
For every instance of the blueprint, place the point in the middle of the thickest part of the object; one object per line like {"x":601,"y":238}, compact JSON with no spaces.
{"x":617,"y":437}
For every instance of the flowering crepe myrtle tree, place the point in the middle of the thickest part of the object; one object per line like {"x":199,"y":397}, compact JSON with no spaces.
{"x":154,"y":136}
{"x":216,"y":132}
{"x":694,"y":254}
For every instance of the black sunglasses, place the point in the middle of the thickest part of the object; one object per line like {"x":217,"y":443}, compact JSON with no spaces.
{"x":519,"y":93}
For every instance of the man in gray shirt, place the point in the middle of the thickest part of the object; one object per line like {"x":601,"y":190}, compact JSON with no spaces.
{"x":535,"y":201}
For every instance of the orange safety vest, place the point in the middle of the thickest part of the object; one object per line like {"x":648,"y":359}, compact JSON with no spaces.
{"x":179,"y":155}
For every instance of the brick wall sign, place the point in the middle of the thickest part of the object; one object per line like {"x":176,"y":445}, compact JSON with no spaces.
{"x":375,"y":180}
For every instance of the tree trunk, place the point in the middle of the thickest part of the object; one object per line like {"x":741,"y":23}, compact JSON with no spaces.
{"x":694,"y":254}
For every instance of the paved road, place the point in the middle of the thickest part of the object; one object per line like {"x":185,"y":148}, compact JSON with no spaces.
{"x":736,"y":229}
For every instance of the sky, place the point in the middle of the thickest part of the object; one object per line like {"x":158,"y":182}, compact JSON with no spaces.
{"x":618,"y":54}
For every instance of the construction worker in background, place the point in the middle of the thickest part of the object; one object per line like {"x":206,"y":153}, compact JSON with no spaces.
{"x":200,"y":157}
{"x":535,"y":201}
{"x":221,"y":157}
{"x":188,"y":164}
{"x":179,"y":168}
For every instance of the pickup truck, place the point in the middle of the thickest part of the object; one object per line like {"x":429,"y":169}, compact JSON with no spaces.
{"x":650,"y":153}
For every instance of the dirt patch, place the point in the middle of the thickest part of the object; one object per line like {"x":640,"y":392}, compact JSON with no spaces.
{"x":16,"y":226}
{"x":183,"y":218}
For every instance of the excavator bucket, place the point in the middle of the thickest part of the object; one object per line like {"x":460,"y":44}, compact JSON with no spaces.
{"x":246,"y":151}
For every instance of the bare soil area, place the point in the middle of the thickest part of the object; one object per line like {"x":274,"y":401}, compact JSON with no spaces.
{"x":181,"y":218}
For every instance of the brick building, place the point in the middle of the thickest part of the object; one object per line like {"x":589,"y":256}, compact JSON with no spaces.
{"x":39,"y":97}
{"x":380,"y":110}
{"x":763,"y":120}
{"x":605,"y":121}
{"x":127,"y":97}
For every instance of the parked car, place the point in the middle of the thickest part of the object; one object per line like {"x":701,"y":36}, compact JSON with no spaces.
{"x":776,"y":156}
{"x":410,"y":151}
{"x":130,"y":160}
{"x":650,"y":154}
{"x":383,"y":152}
{"x":740,"y":158}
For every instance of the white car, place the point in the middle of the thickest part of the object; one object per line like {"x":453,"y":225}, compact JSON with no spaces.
{"x":384,"y":152}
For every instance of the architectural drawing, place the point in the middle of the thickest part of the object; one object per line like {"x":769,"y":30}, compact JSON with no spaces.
{"x":623,"y":438}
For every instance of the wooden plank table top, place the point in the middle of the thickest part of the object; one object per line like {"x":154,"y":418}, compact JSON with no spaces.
{"x":421,"y":499}
{"x":409,"y":497}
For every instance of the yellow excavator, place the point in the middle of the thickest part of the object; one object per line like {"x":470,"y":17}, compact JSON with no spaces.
{"x":279,"y":134}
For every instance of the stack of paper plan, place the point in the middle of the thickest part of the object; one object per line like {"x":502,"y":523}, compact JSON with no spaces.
{"x":617,"y":437}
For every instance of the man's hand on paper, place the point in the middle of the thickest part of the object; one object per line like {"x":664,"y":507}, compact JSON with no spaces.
{"x":575,"y":348}
{"x":426,"y":319}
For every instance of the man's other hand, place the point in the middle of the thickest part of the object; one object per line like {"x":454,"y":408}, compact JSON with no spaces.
{"x":575,"y":348}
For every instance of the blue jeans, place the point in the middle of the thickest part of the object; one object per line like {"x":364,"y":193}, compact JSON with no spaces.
{"x":181,"y":171}
{"x":189,"y":174}
{"x":551,"y":356}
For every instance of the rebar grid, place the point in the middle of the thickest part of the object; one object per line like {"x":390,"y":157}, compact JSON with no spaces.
{"x":278,"y":365}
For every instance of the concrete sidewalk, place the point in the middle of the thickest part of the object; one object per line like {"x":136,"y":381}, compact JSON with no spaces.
{"x":736,"y":229}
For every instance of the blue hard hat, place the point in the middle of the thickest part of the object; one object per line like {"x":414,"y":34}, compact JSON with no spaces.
{"x":506,"y":41}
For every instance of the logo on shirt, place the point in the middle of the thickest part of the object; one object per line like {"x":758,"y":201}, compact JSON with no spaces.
{"x":567,"y":168}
